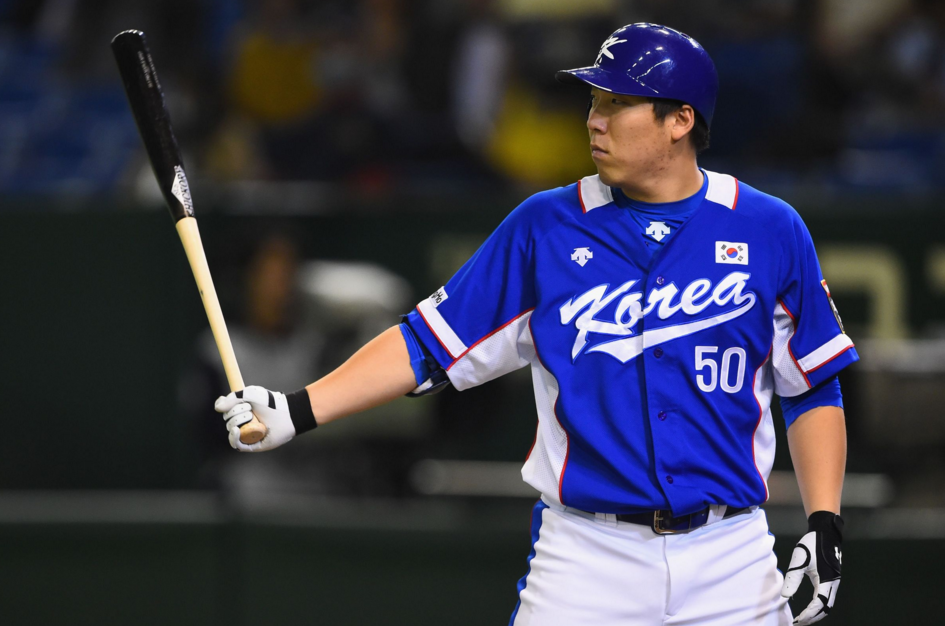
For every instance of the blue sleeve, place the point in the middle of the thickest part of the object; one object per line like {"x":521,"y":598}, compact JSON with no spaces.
{"x":475,"y":326}
{"x":810,"y":344}
{"x":473,"y":304}
{"x":418,"y":356}
{"x":826,"y":393}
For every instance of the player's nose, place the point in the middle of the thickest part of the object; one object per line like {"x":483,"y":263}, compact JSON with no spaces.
{"x":596,"y":123}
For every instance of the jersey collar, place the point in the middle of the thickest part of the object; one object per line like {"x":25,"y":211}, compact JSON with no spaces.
{"x":723,"y":190}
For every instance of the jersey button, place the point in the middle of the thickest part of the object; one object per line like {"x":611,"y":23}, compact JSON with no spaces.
{"x":660,"y":280}
{"x":669,"y":479}
{"x":658,"y":352}
{"x":662,"y":416}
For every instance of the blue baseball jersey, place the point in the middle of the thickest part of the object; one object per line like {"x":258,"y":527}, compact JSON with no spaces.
{"x":653,"y":372}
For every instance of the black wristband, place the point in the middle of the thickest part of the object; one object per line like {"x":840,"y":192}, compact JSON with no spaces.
{"x":825,"y":521}
{"x":300,"y":410}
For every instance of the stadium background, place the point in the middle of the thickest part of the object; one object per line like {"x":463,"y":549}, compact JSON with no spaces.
{"x":345,"y":158}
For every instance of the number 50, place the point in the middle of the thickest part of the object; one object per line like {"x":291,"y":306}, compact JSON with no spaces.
{"x":703,"y":362}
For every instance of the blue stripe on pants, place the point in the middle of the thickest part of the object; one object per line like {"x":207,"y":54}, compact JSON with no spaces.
{"x":536,"y":526}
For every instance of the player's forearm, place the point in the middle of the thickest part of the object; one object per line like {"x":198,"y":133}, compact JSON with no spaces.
{"x":377,"y":373}
{"x":818,"y":443}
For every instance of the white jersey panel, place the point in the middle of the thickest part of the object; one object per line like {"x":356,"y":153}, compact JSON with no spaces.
{"x":507,"y":349}
{"x":545,"y":464}
{"x":763,"y":446}
{"x":789,"y":380}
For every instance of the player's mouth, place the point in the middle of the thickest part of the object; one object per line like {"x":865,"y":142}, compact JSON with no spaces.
{"x":597,"y":151}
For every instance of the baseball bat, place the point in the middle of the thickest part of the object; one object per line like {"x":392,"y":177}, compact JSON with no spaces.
{"x":154,"y":124}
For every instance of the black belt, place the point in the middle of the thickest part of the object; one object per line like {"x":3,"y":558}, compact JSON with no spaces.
{"x":663,"y":522}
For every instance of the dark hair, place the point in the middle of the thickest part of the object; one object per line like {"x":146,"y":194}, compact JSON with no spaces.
{"x":699,"y":135}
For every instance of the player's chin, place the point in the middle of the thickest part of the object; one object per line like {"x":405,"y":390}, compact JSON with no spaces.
{"x":607,"y":175}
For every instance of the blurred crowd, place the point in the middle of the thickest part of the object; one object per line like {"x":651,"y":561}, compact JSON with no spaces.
{"x":457,"y":96}
{"x":391,"y":94}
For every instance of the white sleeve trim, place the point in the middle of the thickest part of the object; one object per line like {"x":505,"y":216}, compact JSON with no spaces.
{"x":825,"y":353}
{"x":453,"y":344}
{"x":504,"y":350}
{"x":594,"y":193}
{"x":723,"y":189}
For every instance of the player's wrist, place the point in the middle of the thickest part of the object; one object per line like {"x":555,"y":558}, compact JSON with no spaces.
{"x":826,"y":522}
{"x":300,"y":411}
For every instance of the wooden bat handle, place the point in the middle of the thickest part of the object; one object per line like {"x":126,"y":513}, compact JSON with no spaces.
{"x":252,"y":431}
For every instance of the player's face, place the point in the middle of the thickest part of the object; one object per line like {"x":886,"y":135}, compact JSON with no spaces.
{"x":627,"y":141}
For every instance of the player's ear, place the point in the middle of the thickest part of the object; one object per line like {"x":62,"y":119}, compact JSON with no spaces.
{"x":684,"y":120}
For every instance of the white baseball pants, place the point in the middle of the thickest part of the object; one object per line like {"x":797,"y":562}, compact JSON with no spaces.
{"x":595,"y":571}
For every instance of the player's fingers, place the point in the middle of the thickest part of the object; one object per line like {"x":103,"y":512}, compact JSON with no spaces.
{"x":234,"y":436}
{"x":801,"y":563}
{"x":829,"y":590}
{"x":225,"y":403}
{"x":822,"y":603}
{"x":258,"y":395}
{"x":814,"y":612}
{"x":238,"y":415}
{"x":239,"y":419}
{"x":236,"y":444}
{"x":792,"y":582}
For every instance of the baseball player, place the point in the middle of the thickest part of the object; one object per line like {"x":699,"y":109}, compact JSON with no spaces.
{"x":660,"y":307}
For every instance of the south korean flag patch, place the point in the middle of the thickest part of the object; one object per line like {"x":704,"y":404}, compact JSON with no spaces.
{"x":732,"y":253}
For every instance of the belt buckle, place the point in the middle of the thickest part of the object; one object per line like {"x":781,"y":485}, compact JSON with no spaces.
{"x":658,"y":525}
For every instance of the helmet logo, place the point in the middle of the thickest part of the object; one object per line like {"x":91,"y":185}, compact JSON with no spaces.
{"x":605,"y":49}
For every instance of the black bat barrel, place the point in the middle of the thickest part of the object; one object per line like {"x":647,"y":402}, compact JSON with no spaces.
{"x":154,"y":124}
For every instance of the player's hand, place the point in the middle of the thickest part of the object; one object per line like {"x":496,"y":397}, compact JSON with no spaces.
{"x":818,"y":556}
{"x":272,"y":408}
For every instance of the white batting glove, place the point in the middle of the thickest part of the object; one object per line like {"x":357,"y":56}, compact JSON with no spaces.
{"x":817,"y":555}
{"x":285,"y":416}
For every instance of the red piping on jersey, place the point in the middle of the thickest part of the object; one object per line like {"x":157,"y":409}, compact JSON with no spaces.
{"x":554,"y":410}
{"x":761,"y":415}
{"x":735,"y":201}
{"x":581,"y":198}
{"x":796,"y":364}
{"x":489,"y":335}
{"x":437,"y":336}
{"x":814,"y":369}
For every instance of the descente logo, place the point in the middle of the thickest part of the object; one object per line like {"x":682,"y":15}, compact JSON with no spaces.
{"x":667,"y":301}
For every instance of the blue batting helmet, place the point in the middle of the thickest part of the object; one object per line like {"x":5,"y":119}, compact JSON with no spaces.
{"x":652,"y":61}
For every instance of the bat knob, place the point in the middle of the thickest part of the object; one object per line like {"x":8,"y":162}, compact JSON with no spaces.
{"x":252,"y":431}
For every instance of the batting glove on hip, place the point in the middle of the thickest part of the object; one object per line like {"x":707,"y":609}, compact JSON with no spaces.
{"x":285,"y":415}
{"x":818,"y":556}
